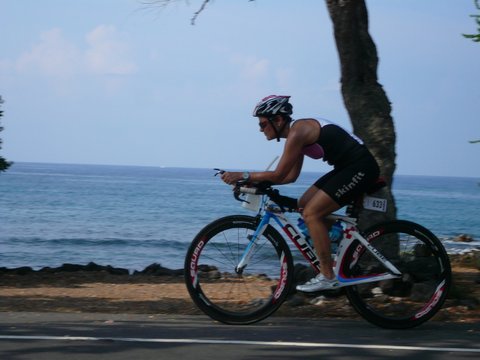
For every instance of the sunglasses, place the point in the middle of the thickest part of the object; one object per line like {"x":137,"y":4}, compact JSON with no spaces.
{"x":263,"y":125}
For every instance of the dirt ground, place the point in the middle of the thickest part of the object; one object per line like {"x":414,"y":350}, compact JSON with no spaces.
{"x":101,"y":292}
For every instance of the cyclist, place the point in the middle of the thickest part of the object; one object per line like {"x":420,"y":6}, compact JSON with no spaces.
{"x":354,"y":169}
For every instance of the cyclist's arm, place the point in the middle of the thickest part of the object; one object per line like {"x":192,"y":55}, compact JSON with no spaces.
{"x":291,"y":162}
{"x":288,"y":168}
{"x":287,"y":171}
{"x":294,"y":172}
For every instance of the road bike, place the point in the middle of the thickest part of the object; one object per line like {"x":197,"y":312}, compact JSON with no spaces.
{"x":239,"y":269}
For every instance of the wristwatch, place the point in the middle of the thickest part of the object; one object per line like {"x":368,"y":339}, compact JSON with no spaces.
{"x":246,"y":175}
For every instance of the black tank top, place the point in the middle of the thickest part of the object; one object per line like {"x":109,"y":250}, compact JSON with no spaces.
{"x":339,"y":147}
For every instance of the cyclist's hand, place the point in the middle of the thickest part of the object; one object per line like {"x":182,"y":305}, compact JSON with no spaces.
{"x":232,"y":177}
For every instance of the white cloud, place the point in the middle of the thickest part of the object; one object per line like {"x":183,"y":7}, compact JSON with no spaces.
{"x":252,"y":68}
{"x":53,"y":56}
{"x":57,"y":57}
{"x":107,"y":54}
{"x":255,"y":69}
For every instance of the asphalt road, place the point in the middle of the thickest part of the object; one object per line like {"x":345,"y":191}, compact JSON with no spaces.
{"x":55,"y":336}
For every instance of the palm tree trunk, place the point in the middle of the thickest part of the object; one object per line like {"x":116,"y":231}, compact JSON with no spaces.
{"x":365,"y":99}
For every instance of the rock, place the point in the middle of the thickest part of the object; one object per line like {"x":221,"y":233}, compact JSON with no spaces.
{"x":71,"y":268}
{"x":296,"y":300}
{"x":117,"y":271}
{"x":469,"y":303}
{"x":302,"y":273}
{"x":463,"y":238}
{"x":207,"y":268}
{"x":319,"y":300}
{"x":214,"y":275}
{"x":91,"y":267}
{"x":159,"y":270}
{"x":23,"y":270}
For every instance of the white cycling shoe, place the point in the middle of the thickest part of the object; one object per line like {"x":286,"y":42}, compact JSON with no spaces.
{"x":319,"y":283}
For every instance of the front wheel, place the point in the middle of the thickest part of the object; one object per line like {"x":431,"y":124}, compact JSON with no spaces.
{"x":411,"y":299}
{"x":229,"y":294}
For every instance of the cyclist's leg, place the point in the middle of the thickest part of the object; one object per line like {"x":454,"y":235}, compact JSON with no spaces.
{"x":336,"y":189}
{"x":312,"y":190}
{"x":315,"y":210}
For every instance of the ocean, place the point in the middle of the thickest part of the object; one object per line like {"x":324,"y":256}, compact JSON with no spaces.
{"x":131,"y":216}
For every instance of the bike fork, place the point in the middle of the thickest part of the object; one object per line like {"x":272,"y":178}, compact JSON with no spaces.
{"x":252,"y":244}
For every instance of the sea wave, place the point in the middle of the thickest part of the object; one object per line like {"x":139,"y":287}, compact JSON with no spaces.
{"x":133,"y":216}
{"x":88,"y":242}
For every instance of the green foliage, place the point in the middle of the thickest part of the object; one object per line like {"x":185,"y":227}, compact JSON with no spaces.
{"x":4,"y":164}
{"x":475,"y":37}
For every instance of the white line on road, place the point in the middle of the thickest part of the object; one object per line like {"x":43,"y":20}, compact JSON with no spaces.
{"x":243,"y":342}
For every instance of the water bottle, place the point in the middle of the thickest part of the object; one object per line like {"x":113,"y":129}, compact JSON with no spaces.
{"x":335,"y":234}
{"x":304,"y":229}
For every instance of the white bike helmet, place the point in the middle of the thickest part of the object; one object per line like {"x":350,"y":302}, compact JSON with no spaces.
{"x":273,"y":105}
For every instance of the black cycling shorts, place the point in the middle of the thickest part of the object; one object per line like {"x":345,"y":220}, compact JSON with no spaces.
{"x":344,"y":184}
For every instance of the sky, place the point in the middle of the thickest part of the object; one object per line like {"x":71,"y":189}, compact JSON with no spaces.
{"x":120,"y":82}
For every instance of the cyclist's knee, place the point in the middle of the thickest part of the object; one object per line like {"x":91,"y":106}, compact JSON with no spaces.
{"x":312,"y":214}
{"x":317,"y":210}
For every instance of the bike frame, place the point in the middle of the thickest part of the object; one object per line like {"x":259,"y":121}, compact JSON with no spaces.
{"x":271,"y":212}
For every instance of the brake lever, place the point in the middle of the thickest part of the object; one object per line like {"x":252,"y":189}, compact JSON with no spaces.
{"x":236,"y":191}
{"x":219,"y":172}
{"x":236,"y":195}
